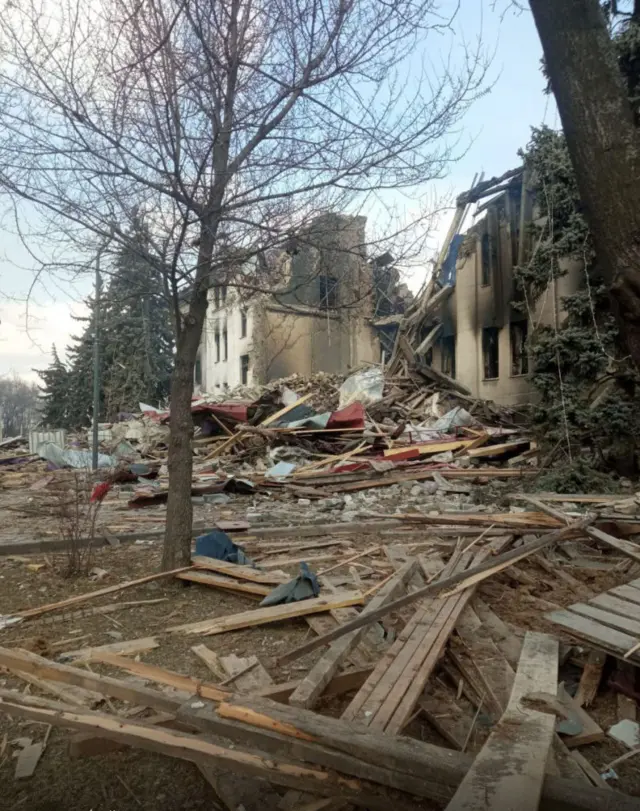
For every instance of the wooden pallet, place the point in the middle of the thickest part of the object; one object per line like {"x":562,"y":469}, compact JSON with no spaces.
{"x":387,"y":699}
{"x":609,"y":622}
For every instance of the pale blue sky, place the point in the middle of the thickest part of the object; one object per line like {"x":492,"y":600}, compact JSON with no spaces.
{"x":493,"y":131}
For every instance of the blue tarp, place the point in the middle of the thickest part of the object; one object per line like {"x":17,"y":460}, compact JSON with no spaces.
{"x":302,"y":587}
{"x":448,"y":270}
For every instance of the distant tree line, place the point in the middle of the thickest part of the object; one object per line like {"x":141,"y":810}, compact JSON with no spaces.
{"x":136,"y":346}
{"x":19,"y":406}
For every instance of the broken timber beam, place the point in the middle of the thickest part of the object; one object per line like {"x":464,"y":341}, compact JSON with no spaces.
{"x":460,"y":581}
{"x":421,"y":768}
{"x":508,"y":773}
{"x":310,"y":688}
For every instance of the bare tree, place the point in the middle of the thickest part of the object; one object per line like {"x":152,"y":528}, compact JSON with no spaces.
{"x":227,"y":123}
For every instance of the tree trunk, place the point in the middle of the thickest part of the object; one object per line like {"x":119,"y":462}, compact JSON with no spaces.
{"x":603,"y":143}
{"x":177,"y":540}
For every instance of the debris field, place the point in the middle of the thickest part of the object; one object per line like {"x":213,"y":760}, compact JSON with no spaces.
{"x":380,"y":610}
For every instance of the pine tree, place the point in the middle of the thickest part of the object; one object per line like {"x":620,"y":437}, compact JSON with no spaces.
{"x":136,"y":346}
{"x":55,"y":397}
{"x":137,"y":333}
{"x":80,"y":362}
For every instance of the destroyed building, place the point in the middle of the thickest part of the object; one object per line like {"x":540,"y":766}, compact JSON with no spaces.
{"x":483,"y":325}
{"x":318,"y":317}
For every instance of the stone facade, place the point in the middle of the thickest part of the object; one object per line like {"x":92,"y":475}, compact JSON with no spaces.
{"x":483,"y":342}
{"x":317,"y":318}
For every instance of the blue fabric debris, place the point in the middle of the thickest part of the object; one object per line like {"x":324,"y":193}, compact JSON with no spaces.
{"x":217,"y":544}
{"x":302,"y":587}
{"x":448,"y":270}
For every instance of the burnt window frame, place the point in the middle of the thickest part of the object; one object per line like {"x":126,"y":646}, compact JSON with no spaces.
{"x":328,"y":291}
{"x":519,"y":359}
{"x":488,"y":364}
{"x":244,"y":369}
{"x":448,"y":343}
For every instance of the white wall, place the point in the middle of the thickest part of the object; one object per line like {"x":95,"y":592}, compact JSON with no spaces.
{"x":215,"y":374}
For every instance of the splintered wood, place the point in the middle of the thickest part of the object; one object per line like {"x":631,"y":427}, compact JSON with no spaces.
{"x":508,"y":773}
{"x":400,"y":643}
{"x":387,"y":699}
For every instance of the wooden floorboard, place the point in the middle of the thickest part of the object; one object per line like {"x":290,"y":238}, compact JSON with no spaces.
{"x":607,"y":618}
{"x":508,"y":773}
{"x":608,"y":639}
{"x":627,"y":592}
{"x":610,"y":602}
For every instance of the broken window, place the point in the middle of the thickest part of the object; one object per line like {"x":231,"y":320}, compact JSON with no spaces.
{"x":328,"y":292}
{"x":519,"y":357}
{"x":225,"y":343}
{"x":197,"y":372}
{"x":448,"y":355}
{"x":485,"y":260}
{"x":217,"y":341}
{"x":244,"y":369}
{"x":490,"y":356}
{"x":243,"y":323}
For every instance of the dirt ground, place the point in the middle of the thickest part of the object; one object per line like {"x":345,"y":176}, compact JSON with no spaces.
{"x":132,"y":779}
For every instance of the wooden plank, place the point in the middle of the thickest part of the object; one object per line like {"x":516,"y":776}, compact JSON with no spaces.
{"x":427,"y":448}
{"x":28,"y":759}
{"x":496,"y":672}
{"x":81,"y":598}
{"x":311,"y":687}
{"x":401,"y":680}
{"x":590,"y":679}
{"x":506,"y":641}
{"x":631,"y":550}
{"x":33,"y":664}
{"x":127,"y":647}
{"x":196,"y":748}
{"x":226,"y":583}
{"x":76,"y":696}
{"x":592,"y":774}
{"x":409,"y":757}
{"x":280,"y":563}
{"x":339,"y":685}
{"x":508,"y":773}
{"x":628,"y":592}
{"x":210,"y":659}
{"x":460,"y":580}
{"x":445,"y":715}
{"x":283,"y":411}
{"x":83,"y":744}
{"x":162,"y":676}
{"x":617,"y":605}
{"x":345,"y":744}
{"x":607,"y":639}
{"x":498,"y":450}
{"x":247,"y":680}
{"x":237,"y":571}
{"x":607,"y":618}
{"x":322,"y":624}
{"x":591,"y":732}
{"x":566,"y":764}
{"x":391,"y":664}
{"x":263,"y":616}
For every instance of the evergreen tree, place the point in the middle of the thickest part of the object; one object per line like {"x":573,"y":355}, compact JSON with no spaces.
{"x":136,"y":345}
{"x":137,"y":332}
{"x":589,"y":392}
{"x":55,"y":393}
{"x":80,"y":363}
